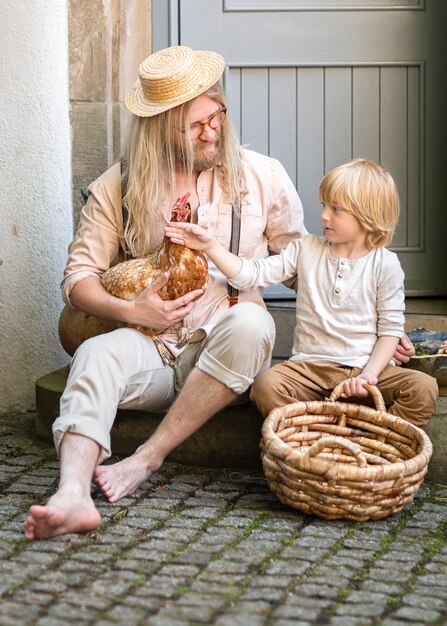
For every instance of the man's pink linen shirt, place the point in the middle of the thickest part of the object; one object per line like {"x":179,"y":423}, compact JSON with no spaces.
{"x":271,"y":216}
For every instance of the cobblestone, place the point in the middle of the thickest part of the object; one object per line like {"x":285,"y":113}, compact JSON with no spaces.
{"x":213,"y":547}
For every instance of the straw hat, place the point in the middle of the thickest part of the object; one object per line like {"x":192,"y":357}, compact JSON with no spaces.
{"x":171,"y":77}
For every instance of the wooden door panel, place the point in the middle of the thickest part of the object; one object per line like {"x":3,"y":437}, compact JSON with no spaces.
{"x":366,"y":112}
{"x":314,"y":87}
{"x":312,"y":118}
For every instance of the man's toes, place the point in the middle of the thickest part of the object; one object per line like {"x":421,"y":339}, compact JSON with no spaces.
{"x":101,"y":480}
{"x":97,"y":474}
{"x":109,"y":492}
{"x":106,"y":488}
{"x":103,"y":483}
{"x":38,"y":511}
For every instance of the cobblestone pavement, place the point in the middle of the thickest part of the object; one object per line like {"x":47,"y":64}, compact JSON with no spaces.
{"x":198,"y":546}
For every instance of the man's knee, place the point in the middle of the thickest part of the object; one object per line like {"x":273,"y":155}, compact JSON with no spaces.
{"x":114,"y":349}
{"x":248,"y":324}
{"x":239,"y":346}
{"x":92,"y":346}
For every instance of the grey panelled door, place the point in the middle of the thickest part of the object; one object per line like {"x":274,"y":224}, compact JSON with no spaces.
{"x":316,"y":82}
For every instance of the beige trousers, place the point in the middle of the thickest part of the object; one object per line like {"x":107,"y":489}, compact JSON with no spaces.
{"x":407,"y":393}
{"x":123,"y":369}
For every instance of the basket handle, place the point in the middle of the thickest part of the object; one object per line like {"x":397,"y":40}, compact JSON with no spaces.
{"x":337,"y":442}
{"x":373,"y":390}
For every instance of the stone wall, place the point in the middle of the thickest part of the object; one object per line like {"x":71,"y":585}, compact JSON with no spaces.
{"x":65,"y":67}
{"x":35,"y":192}
{"x":108,"y":39}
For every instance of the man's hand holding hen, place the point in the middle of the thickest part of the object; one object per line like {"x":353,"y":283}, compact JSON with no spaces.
{"x":151,"y":311}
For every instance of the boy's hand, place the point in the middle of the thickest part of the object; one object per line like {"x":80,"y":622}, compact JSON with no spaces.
{"x":190,"y":235}
{"x":355,"y":386}
{"x":404,"y":351}
{"x":198,"y":238}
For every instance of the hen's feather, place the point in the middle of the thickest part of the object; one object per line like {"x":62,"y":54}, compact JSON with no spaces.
{"x":188,"y":270}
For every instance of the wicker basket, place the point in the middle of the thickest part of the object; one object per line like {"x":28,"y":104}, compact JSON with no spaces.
{"x":341,"y":460}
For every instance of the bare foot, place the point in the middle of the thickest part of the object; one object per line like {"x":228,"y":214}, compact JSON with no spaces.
{"x":65,"y":512}
{"x":121,"y":479}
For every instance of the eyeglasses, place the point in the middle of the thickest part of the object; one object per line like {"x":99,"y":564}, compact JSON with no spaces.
{"x":214,"y":121}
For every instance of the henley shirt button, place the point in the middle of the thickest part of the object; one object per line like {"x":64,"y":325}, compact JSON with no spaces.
{"x":337,"y":290}
{"x":339,"y":275}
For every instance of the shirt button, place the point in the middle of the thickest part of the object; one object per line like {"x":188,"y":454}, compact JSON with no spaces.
{"x":339,"y":275}
{"x":337,"y":290}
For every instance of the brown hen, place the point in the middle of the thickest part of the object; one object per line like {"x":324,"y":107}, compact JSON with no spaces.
{"x":188,"y":270}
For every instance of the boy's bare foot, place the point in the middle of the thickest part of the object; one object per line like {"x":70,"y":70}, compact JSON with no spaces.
{"x":65,"y":512}
{"x":121,"y":479}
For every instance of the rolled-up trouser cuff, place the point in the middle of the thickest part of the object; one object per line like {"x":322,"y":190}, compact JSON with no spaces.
{"x":120,"y":368}
{"x":89,"y":428}
{"x":234,"y":381}
{"x":239,"y":346}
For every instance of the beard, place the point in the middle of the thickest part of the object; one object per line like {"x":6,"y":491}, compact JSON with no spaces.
{"x":206,"y":154}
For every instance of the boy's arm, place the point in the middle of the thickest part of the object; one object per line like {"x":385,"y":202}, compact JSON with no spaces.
{"x":241,"y":273}
{"x":390,"y":305}
{"x":380,"y":357}
{"x":198,"y":238}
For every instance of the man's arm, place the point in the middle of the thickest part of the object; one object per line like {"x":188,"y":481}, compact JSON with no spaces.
{"x":148,"y":309}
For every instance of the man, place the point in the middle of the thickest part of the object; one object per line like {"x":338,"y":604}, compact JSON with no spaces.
{"x":181,"y":141}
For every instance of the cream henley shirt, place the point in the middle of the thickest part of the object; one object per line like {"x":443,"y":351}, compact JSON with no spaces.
{"x":342,"y":305}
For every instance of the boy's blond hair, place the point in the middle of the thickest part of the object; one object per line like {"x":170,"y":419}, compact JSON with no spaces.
{"x":367,"y":191}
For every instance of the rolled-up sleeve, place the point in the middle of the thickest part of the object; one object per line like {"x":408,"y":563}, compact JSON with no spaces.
{"x":391,"y":297}
{"x":270,"y":271}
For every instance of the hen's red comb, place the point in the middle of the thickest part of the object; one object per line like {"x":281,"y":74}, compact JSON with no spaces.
{"x":183,"y":199}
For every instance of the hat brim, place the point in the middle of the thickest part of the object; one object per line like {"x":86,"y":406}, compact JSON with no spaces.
{"x":213,"y":66}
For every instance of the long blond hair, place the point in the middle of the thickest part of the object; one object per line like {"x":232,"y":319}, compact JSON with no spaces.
{"x":367,"y":191}
{"x":150,"y":163}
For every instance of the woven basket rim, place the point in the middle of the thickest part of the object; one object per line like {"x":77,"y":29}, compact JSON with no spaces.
{"x":275,"y":446}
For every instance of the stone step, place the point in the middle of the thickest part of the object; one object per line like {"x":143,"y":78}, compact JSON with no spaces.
{"x":229,"y":439}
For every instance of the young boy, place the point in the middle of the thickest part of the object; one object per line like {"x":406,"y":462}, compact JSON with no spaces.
{"x":350,"y":298}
